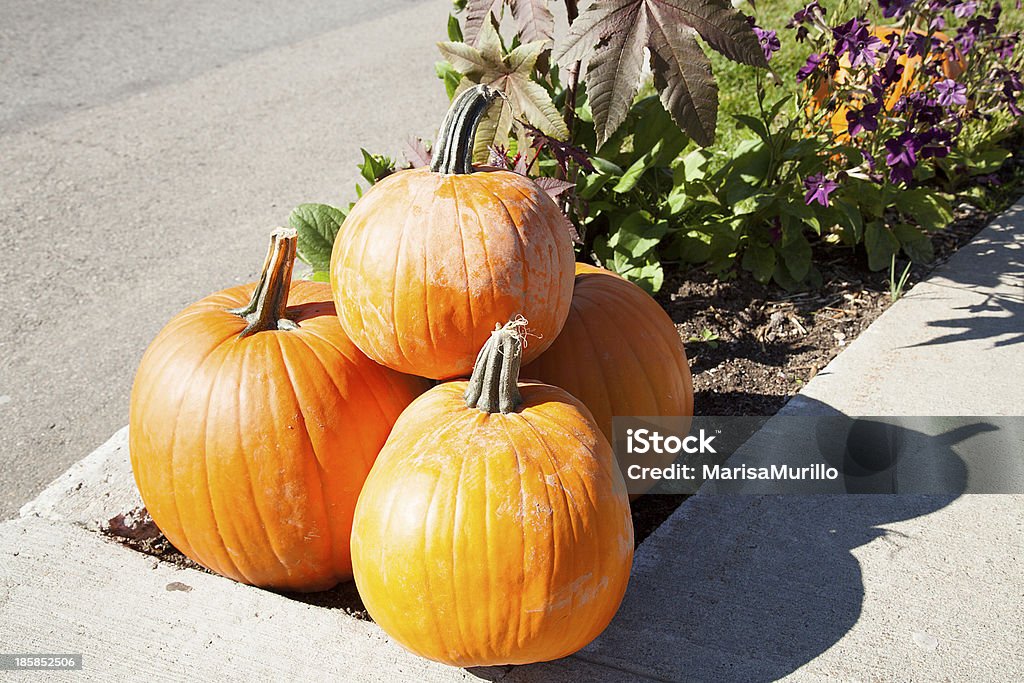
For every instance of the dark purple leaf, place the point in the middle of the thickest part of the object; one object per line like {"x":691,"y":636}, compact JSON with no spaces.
{"x":477,"y":12}
{"x":682,"y":75}
{"x":533,"y":20}
{"x":610,"y":36}
{"x":613,"y":76}
{"x":555,"y":187}
{"x":417,"y":153}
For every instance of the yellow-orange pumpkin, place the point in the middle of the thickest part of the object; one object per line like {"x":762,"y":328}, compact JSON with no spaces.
{"x":494,"y":527}
{"x":252,"y":428}
{"x":952,"y":67}
{"x":618,"y":352}
{"x":430,"y":257}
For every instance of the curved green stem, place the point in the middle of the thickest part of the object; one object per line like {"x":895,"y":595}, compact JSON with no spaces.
{"x":494,"y":385}
{"x":266,"y":309}
{"x":453,"y":149}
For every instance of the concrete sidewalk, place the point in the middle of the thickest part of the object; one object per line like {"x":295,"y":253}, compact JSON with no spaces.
{"x":729,"y":588}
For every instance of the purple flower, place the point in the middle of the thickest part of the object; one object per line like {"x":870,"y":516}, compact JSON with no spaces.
{"x":965,"y":8}
{"x":818,"y":189}
{"x":1004,"y":48}
{"x":951,"y":93}
{"x":806,"y":15}
{"x":769,"y":41}
{"x":902,"y":157}
{"x":865,"y":118}
{"x":810,"y":67}
{"x":854,"y":39}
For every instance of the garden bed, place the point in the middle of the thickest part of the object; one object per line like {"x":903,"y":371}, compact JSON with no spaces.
{"x":751,"y":347}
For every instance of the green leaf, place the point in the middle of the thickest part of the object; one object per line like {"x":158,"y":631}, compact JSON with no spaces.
{"x":915,"y":243}
{"x":924,"y":207}
{"x":988,"y":161}
{"x":759,"y":259}
{"x":850,"y":219}
{"x":454,"y":30}
{"x":451,"y":78}
{"x":317,"y":225}
{"x":320,"y":276}
{"x":880,"y":244}
{"x":375,"y":166}
{"x":796,"y":255}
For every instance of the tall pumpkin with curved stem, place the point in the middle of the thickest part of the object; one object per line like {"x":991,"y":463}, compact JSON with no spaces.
{"x":253,"y":423}
{"x":494,"y":527}
{"x":430,"y":257}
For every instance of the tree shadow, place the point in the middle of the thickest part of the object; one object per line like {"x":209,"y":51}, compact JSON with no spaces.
{"x":991,"y":262}
{"x":753,"y":587}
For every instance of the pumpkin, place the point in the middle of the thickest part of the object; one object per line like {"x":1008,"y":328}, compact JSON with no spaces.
{"x":952,"y":67}
{"x":428,"y":258}
{"x":253,"y":423}
{"x":494,"y":527}
{"x":618,"y":352}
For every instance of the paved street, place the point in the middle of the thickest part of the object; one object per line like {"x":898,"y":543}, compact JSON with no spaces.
{"x":146,"y":149}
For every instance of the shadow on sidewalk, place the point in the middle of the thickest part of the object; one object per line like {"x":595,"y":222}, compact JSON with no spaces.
{"x":752,"y":587}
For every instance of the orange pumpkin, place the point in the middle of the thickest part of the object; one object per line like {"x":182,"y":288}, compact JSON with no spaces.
{"x":429,"y":257}
{"x":952,"y":67}
{"x":619,"y":353}
{"x":494,"y":527}
{"x":253,"y":426}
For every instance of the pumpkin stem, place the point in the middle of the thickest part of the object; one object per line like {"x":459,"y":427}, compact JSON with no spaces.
{"x":266,"y":309}
{"x":494,"y":385}
{"x":453,"y":149}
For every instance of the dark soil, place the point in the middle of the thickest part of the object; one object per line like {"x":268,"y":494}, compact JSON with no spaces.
{"x":751,"y":347}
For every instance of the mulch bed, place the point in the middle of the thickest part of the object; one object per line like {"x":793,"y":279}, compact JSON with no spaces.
{"x":751,"y":347}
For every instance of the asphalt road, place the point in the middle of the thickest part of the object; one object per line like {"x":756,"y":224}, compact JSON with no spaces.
{"x":146,"y":149}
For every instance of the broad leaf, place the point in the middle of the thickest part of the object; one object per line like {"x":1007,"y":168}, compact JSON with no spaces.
{"x":416,"y":153}
{"x":880,"y":244}
{"x":533,"y":20}
{"x":610,"y":36}
{"x":925,"y":207}
{"x":613,"y":77}
{"x":512,"y":73}
{"x":554,"y":186}
{"x":915,"y":243}
{"x":478,"y":14}
{"x":316,"y":226}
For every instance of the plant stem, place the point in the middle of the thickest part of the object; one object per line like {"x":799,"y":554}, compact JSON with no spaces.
{"x":494,"y":385}
{"x":266,"y":309}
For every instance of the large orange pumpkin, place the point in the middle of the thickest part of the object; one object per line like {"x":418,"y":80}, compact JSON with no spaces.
{"x":429,"y":257}
{"x":952,"y":67}
{"x":494,"y":527}
{"x":254,"y":422}
{"x":618,"y":352}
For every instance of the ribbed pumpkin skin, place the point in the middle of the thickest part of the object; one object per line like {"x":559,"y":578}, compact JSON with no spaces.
{"x":485,"y":539}
{"x":250,"y":453}
{"x":618,"y":352}
{"x":426,"y":262}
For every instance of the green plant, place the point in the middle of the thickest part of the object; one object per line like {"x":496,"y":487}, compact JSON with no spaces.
{"x":896,"y":285}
